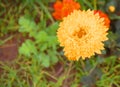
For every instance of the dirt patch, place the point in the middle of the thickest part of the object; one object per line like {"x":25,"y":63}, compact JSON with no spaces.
{"x":8,"y":52}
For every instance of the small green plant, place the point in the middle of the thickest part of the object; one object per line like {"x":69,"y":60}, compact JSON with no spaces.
{"x":42,"y":44}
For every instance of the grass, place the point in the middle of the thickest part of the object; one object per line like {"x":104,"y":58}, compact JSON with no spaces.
{"x":46,"y":65}
{"x":28,"y":72}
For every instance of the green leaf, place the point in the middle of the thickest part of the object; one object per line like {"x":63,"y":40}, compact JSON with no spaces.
{"x":53,"y":56}
{"x":54,"y":59}
{"x":45,"y":60}
{"x":27,"y":48}
{"x":51,"y":30}
{"x":43,"y":47}
{"x":26,"y":25}
{"x":42,"y":24}
{"x":52,"y":41}
{"x":41,"y":37}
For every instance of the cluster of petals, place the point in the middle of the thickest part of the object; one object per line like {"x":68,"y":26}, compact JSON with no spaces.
{"x":63,"y":8}
{"x":82,"y":34}
{"x":105,"y":16}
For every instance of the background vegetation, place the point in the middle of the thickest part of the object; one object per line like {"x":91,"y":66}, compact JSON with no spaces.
{"x":40,"y":61}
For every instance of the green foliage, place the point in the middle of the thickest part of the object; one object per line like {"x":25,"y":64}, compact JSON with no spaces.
{"x":44,"y":44}
{"x":40,"y":62}
{"x":111,"y":75}
{"x":28,"y":48}
{"x":7,"y":21}
{"x":26,"y":25}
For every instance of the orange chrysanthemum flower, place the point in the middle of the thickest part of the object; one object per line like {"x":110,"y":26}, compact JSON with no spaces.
{"x":103,"y":15}
{"x":82,"y":34}
{"x":63,"y":8}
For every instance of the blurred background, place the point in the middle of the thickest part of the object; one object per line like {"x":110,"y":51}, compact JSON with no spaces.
{"x":30,"y":55}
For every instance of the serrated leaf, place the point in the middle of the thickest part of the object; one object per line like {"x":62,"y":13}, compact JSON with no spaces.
{"x":53,"y":56}
{"x":51,"y":30}
{"x":41,"y":37}
{"x":43,"y":47}
{"x":52,"y":41}
{"x":27,"y":48}
{"x":45,"y":60}
{"x":26,"y":25}
{"x":54,"y":59}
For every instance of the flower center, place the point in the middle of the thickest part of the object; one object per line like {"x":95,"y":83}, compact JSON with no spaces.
{"x":80,"y":33}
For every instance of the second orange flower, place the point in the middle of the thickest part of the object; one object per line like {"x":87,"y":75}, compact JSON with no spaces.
{"x":64,"y":8}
